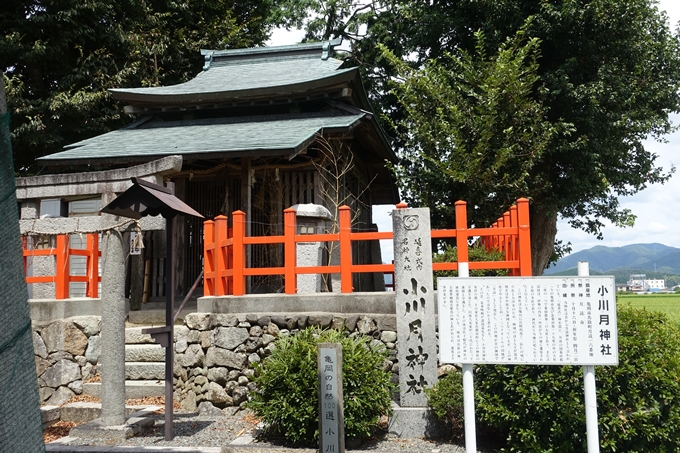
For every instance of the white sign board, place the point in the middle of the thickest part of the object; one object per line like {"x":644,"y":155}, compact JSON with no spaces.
{"x":528,"y":320}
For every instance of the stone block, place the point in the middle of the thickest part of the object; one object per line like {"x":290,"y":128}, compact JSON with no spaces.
{"x":197,"y":321}
{"x":134,"y":335}
{"x":93,"y":349}
{"x":229,"y":337}
{"x":89,"y":325}
{"x":144,"y":353}
{"x":39,"y":347}
{"x":61,"y":373}
{"x":222,"y":320}
{"x":144,"y":371}
{"x":218,"y":357}
{"x":415,"y":422}
{"x":64,"y":336}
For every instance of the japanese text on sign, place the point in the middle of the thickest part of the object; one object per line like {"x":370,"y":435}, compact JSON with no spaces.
{"x":532,"y":320}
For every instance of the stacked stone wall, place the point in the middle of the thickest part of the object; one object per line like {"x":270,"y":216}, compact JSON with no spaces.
{"x":215,"y":354}
{"x":66,"y":353}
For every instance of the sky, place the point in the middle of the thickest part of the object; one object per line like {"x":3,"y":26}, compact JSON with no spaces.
{"x":657,"y":208}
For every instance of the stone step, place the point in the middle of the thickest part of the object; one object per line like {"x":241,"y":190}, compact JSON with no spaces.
{"x":144,"y":371}
{"x":134,"y":335}
{"x":144,"y":353}
{"x":133,"y":389}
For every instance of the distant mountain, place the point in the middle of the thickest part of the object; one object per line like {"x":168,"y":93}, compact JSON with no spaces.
{"x":635,"y":258}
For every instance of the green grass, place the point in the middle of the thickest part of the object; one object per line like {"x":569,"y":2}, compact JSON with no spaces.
{"x":669,"y":304}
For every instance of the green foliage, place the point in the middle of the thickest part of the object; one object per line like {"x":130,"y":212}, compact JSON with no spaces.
{"x":472,"y":128}
{"x":286,"y":398}
{"x":61,"y":57}
{"x":605,"y":77}
{"x":446,"y":399}
{"x":541,"y":409}
{"x":475,"y":254}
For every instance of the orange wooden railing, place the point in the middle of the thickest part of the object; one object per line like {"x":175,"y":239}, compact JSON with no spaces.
{"x":225,"y":268}
{"x":62,"y":253}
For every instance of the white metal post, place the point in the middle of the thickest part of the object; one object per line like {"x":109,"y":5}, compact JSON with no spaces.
{"x":468,"y":389}
{"x":590,"y":392}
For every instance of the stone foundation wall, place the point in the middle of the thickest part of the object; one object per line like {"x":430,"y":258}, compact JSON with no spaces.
{"x":66,"y":353}
{"x":215,"y":353}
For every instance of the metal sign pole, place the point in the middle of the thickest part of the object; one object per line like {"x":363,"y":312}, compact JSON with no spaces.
{"x":589,"y":389}
{"x":468,"y":389}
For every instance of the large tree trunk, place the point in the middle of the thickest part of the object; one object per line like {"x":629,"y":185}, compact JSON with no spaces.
{"x":543,"y":232}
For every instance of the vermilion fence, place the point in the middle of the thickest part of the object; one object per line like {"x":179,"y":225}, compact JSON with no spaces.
{"x":225,"y":269}
{"x":62,"y":253}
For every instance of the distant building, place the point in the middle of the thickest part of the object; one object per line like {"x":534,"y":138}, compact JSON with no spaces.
{"x":640,"y":282}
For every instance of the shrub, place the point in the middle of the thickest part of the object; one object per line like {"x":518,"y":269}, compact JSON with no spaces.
{"x":446,"y":399}
{"x":286,"y":398}
{"x":541,"y":408}
{"x":638,"y":401}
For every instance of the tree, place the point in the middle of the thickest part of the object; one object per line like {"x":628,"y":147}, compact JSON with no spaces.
{"x":61,"y":57}
{"x":609,"y":70}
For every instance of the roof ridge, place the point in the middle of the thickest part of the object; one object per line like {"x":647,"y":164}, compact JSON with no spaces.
{"x":325,"y":48}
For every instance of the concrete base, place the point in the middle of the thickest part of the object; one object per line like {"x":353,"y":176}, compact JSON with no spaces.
{"x":365,"y":303}
{"x":415,"y":422}
{"x":133,"y":389}
{"x":134,"y":424}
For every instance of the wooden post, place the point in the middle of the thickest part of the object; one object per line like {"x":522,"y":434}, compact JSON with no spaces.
{"x":512,"y":253}
{"x":345,"y":249}
{"x":93,"y":265}
{"x":239,"y":252}
{"x":220,"y":255}
{"x":62,"y":267}
{"x":461,"y":233}
{"x":524,"y":242}
{"x":209,"y":258}
{"x":289,"y":250}
{"x":246,"y":208}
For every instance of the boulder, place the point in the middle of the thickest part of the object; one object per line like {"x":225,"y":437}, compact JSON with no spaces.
{"x":197,"y":321}
{"x":222,"y":320}
{"x":39,"y":347}
{"x":194,"y":356}
{"x":93,"y":349}
{"x":207,"y":409}
{"x":218,"y":374}
{"x":218,"y":357}
{"x":64,"y":336}
{"x":60,"y":396}
{"x":61,"y":373}
{"x":229,"y":337}
{"x":366,"y":325}
{"x":218,"y":396}
{"x":89,"y":325}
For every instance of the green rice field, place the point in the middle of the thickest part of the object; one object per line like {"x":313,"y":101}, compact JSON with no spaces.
{"x":668,"y":304}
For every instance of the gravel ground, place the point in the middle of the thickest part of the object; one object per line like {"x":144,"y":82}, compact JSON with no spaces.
{"x":192,"y":430}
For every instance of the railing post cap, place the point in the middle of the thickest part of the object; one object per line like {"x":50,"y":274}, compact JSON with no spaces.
{"x":344,"y":207}
{"x":460,"y":203}
{"x":289,"y":210}
{"x":221,"y":217}
{"x":522,"y":200}
{"x":238,"y":213}
{"x":402,"y":205}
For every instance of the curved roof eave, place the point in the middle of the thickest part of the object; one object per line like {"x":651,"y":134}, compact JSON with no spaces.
{"x":135,"y":97}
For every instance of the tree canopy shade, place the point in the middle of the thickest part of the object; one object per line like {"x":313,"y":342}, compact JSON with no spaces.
{"x":607,"y":77}
{"x":61,"y":56}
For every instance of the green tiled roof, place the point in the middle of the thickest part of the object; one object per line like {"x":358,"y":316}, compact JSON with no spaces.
{"x":220,"y":137}
{"x":248,"y":72}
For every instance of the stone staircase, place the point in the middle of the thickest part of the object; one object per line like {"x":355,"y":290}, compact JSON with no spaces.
{"x":144,"y":367}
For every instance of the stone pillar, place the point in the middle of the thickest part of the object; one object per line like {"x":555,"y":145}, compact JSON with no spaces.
{"x":112,"y":357}
{"x":310,"y":219}
{"x":415,"y":305}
